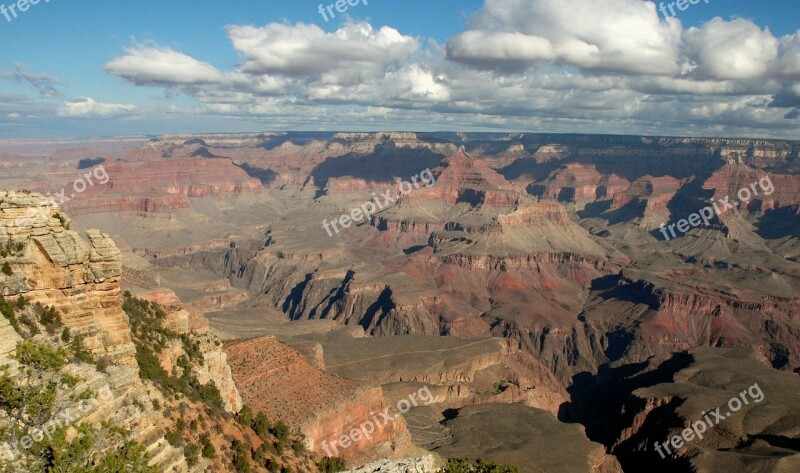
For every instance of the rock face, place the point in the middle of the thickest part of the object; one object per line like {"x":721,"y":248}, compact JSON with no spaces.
{"x":81,"y":281}
{"x":405,"y":465}
{"x":549,"y":241}
{"x":579,"y":184}
{"x":214,"y":367}
{"x":654,"y":401}
{"x":647,"y":200}
{"x":464,"y":371}
{"x":163,"y":185}
{"x":277,"y":380}
{"x":58,"y":268}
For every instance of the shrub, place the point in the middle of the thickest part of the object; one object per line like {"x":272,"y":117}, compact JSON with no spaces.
{"x":150,"y":338}
{"x":280,"y":431}
{"x":9,"y":312}
{"x":191,"y":452}
{"x":61,"y":219}
{"x":299,"y":448}
{"x":80,"y":351}
{"x":174,"y":438}
{"x":463,"y":465}
{"x":331,"y":465}
{"x":261,"y":425}
{"x":7,"y":269}
{"x":47,"y":315}
{"x":208,"y":450}
{"x":245,"y":416}
{"x":241,"y":457}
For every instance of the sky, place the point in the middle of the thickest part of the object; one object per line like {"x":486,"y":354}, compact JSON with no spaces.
{"x":83,"y":68}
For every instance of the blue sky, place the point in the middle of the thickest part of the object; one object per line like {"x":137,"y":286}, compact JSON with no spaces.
{"x":449,"y":78}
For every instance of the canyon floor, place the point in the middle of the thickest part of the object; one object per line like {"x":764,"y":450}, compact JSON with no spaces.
{"x":527,"y":285}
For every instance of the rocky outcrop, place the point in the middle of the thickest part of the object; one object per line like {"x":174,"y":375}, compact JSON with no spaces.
{"x":404,"y":465}
{"x":214,"y":366}
{"x":278,"y":380}
{"x":80,"y":280}
{"x":579,"y":184}
{"x":57,"y":268}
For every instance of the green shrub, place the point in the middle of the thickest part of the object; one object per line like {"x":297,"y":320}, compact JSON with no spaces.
{"x":150,"y":338}
{"x":241,"y":457}
{"x":79,"y":350}
{"x":9,"y":311}
{"x":280,"y":431}
{"x":11,"y":247}
{"x":7,"y":269}
{"x":191,"y":452}
{"x":174,"y":438}
{"x":463,"y":465}
{"x":261,"y":425}
{"x":208,"y":450}
{"x":331,"y":465}
{"x":61,"y":219}
{"x":245,"y":416}
{"x":47,"y":315}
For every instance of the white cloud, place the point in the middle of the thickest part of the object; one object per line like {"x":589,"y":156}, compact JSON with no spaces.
{"x":598,"y":65}
{"x":353,"y":54}
{"x":736,"y":49}
{"x":85,"y":107}
{"x":615,"y":35}
{"x":151,"y":65}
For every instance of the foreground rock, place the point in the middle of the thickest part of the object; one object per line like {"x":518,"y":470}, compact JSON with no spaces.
{"x":405,"y":465}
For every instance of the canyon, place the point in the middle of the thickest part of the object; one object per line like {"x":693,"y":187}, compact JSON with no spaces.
{"x":524,"y":286}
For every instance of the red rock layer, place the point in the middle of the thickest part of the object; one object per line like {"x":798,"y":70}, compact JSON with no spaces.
{"x":276,"y":379}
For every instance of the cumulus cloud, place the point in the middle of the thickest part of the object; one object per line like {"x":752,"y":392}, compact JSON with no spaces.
{"x":736,"y":49}
{"x":598,"y":65}
{"x":615,"y":35}
{"x":354,"y":53}
{"x":152,"y":65}
{"x":85,"y":107}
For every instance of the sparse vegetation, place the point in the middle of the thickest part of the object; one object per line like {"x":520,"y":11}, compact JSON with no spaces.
{"x":241,"y":457}
{"x":61,"y":219}
{"x":7,"y":269}
{"x":463,"y":465}
{"x":331,"y":465}
{"x":150,"y":338}
{"x":35,"y":395}
{"x":207,"y":448}
{"x":79,"y":350}
{"x":9,"y":311}
{"x":191,"y":452}
{"x":11,"y":248}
